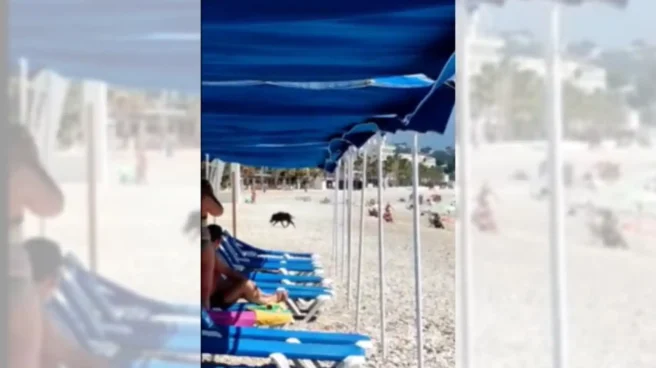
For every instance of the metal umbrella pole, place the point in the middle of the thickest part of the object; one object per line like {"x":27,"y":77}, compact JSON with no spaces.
{"x":358,"y":289}
{"x":336,"y":236}
{"x":349,"y":229}
{"x":417,"y":251}
{"x":342,"y":256}
{"x":464,"y":277}
{"x":381,"y":248}
{"x":557,"y":260}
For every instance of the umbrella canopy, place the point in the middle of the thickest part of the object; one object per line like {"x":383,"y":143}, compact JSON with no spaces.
{"x":313,"y":124}
{"x":377,"y":44}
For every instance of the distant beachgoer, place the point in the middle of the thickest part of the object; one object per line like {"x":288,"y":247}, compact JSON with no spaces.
{"x":31,"y":189}
{"x":209,"y":205}
{"x":483,"y":216}
{"x":387,"y":216}
{"x":230,"y":285}
{"x":253,"y":194}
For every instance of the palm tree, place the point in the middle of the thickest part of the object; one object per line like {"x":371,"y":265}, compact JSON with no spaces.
{"x":525,"y":106}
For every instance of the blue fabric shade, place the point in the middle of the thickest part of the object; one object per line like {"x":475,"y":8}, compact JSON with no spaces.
{"x":285,"y":10}
{"x":291,"y":125}
{"x":415,"y":41}
{"x":148,"y":44}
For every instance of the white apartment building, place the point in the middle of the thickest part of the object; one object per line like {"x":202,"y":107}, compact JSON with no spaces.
{"x":424,"y":160}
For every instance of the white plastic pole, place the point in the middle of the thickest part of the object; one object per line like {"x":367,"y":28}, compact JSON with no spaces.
{"x":556,"y":199}
{"x":95,"y":94}
{"x":358,"y":296}
{"x":342,"y":256}
{"x":417,"y":249}
{"x":381,"y":248}
{"x":23,"y":90}
{"x":349,"y":229}
{"x":336,"y":235}
{"x":236,"y":179}
{"x":464,"y":267}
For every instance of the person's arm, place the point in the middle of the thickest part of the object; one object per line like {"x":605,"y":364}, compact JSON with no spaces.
{"x":208,"y":266}
{"x":212,"y":206}
{"x":57,"y":348}
{"x":224,"y":269}
{"x":39,"y":193}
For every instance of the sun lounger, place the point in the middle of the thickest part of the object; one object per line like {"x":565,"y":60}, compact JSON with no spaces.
{"x":298,"y":265}
{"x":141,"y":335}
{"x":313,"y":337}
{"x":246,"y":250}
{"x":252,"y":250}
{"x":280,"y":352}
{"x":247,"y":265}
{"x":116,"y":301}
{"x":309,"y":337}
{"x":288,"y":279}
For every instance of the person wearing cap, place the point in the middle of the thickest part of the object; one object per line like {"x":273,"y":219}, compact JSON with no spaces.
{"x":209,"y":205}
{"x":31,"y":189}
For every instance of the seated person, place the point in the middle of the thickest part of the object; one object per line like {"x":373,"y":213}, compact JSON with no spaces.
{"x":46,"y":259}
{"x":209,"y":205}
{"x":230,"y":285}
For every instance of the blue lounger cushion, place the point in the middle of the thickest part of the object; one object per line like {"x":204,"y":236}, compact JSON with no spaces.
{"x":263,"y":265}
{"x":274,"y":277}
{"x":305,"y":337}
{"x":245,"y":253}
{"x":278,"y":266}
{"x":275,"y":285}
{"x":263,"y":349}
{"x":106,"y":291}
{"x":299,"y":294}
{"x":248,"y":247}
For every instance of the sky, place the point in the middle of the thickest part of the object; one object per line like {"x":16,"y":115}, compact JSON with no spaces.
{"x":604,"y":25}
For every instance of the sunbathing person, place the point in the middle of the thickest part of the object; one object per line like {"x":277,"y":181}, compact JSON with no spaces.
{"x":46,"y":258}
{"x":209,"y":205}
{"x":230,"y":285}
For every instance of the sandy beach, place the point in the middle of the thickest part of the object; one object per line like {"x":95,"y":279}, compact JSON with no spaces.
{"x":140,"y":244}
{"x":609,"y":292}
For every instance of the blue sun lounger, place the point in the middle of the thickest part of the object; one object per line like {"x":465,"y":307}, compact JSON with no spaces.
{"x":118,"y":357}
{"x":287,"y":279}
{"x":304,"y":266}
{"x":183,"y":338}
{"x":305,"y":302}
{"x":309,"y":290}
{"x":278,"y":266}
{"x":118,"y":301}
{"x":115,"y":301}
{"x":230,"y":250}
{"x":243,"y":250}
{"x":279,"y":352}
{"x":309,"y":337}
{"x":142,"y":335}
{"x":252,"y":250}
{"x":229,"y":244}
